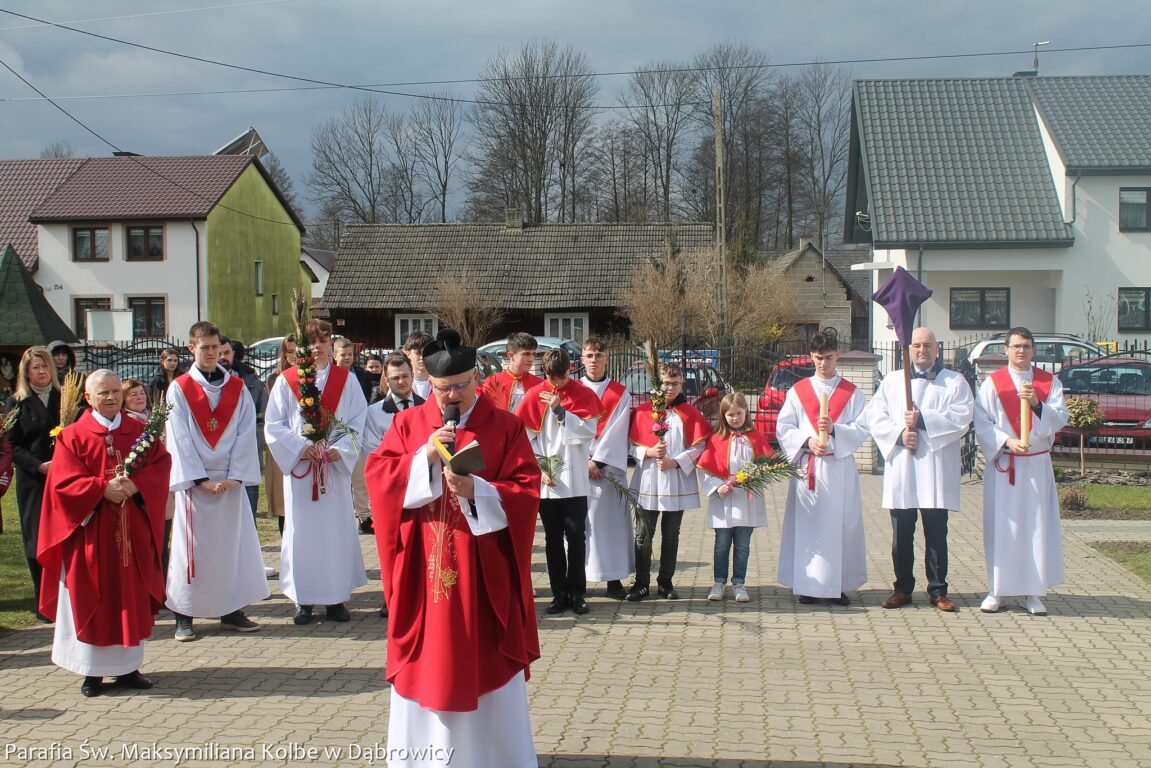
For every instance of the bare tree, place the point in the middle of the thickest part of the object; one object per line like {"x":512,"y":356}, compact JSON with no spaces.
{"x":661,"y":102}
{"x":282,"y":180}
{"x":459,"y":303}
{"x":437,"y":125}
{"x":533,"y":114}
{"x":57,"y":149}
{"x":824,"y":119}
{"x":408,"y":200}
{"x":350,"y":163}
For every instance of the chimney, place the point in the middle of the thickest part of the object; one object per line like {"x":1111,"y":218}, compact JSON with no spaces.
{"x":513,"y":219}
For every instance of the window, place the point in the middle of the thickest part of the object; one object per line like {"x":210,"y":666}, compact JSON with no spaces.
{"x":980,"y":308}
{"x":1134,"y":211}
{"x":259,"y":278}
{"x":80,"y":309}
{"x":144,"y":244}
{"x":90,"y":244}
{"x":1134,"y":304}
{"x":572,"y":327}
{"x":405,"y":324}
{"x":148,"y":319}
{"x":275,"y":303}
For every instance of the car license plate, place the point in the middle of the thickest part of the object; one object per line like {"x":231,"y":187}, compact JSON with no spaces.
{"x":1112,"y":440}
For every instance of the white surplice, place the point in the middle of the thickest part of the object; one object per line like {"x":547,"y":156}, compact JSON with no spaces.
{"x":927,"y":478}
{"x":821,"y":551}
{"x":741,"y":507}
{"x":1021,"y":534}
{"x":320,"y":558}
{"x":569,"y":440}
{"x":73,"y":654}
{"x":215,"y":533}
{"x":610,"y":538}
{"x":669,"y":490}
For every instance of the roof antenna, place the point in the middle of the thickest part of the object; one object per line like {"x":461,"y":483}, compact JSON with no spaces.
{"x":1035,"y":56}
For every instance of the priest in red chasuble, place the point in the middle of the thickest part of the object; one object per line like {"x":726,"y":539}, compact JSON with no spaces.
{"x":455,"y":556}
{"x":101,"y":537}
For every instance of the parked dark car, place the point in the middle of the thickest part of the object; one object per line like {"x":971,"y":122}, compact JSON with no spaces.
{"x":702,"y":385}
{"x":783,"y":377}
{"x":1122,"y":387}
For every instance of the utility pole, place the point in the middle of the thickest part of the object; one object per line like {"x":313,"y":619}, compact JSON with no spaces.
{"x":720,"y":210}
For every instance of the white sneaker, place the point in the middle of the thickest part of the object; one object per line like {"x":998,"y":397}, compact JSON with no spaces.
{"x":991,"y":604}
{"x":1032,"y":605}
{"x":741,"y":595}
{"x":716,"y":593}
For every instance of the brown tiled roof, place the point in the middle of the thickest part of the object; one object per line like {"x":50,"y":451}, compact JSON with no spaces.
{"x":24,"y":184}
{"x":549,"y":266}
{"x":107,"y":188}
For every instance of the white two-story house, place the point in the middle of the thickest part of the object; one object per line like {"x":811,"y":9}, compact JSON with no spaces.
{"x":1016,"y":200}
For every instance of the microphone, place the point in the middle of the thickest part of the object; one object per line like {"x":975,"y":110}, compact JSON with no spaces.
{"x":451,"y":419}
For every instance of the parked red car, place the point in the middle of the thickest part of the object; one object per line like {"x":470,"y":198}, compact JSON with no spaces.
{"x":1122,"y":387}
{"x":782,"y":378}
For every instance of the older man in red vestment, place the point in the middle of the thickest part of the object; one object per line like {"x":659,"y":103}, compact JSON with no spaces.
{"x":101,"y":536}
{"x":455,"y":555}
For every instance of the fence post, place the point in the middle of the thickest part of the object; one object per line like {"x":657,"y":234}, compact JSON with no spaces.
{"x":860,"y":369}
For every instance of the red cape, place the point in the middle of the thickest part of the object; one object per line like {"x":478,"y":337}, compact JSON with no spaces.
{"x":695,"y":426}
{"x":447,"y":650}
{"x":112,"y":603}
{"x":499,"y":388}
{"x":714,"y":459}
{"x":575,"y":398}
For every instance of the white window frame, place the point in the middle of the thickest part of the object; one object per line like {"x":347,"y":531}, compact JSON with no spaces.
{"x":404,"y":325}
{"x":573,"y":318}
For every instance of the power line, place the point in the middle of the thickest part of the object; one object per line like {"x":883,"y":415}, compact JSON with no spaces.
{"x":151,"y":13}
{"x":136,"y":159}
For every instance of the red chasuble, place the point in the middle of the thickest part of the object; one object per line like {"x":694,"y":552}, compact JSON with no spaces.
{"x":612,"y":396}
{"x":714,"y":459}
{"x":809,"y":399}
{"x":461,"y":619}
{"x":499,"y":388}
{"x":575,"y":398}
{"x":695,"y":426}
{"x":1009,"y":395}
{"x":115,"y":590}
{"x":212,"y":423}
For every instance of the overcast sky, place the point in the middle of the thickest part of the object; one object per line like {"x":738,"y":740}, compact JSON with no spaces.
{"x":387,"y":41}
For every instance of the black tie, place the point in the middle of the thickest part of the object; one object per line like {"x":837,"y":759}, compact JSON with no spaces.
{"x":403,"y":404}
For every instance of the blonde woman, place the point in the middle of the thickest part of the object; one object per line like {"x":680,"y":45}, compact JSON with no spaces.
{"x":37,"y":397}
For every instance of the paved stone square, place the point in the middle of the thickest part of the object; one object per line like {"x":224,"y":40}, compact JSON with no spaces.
{"x":684,"y":683}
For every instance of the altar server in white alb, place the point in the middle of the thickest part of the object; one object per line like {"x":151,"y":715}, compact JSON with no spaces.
{"x":216,"y":567}
{"x":1021,"y":537}
{"x":821,"y":553}
{"x":610,"y":539}
{"x":921,"y":447}
{"x":320,"y":558}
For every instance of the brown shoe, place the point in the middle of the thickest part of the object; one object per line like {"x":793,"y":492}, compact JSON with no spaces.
{"x":897,"y":600}
{"x":943,"y":603}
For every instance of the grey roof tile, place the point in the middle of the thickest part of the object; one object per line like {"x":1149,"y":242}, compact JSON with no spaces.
{"x":550,"y":266}
{"x":1098,"y":123}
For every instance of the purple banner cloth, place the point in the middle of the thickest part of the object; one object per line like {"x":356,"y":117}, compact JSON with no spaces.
{"x":902,"y":295}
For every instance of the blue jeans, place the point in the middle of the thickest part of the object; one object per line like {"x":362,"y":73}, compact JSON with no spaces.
{"x":740,"y":536}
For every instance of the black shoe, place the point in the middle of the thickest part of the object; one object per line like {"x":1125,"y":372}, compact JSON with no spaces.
{"x":238,"y":622}
{"x":384,"y":611}
{"x":579,"y":605}
{"x":615,"y":590}
{"x":636,"y":593}
{"x":668,"y":591}
{"x":133,"y":680}
{"x":92,"y":686}
{"x":559,"y":604}
{"x":805,"y":599}
{"x":366,"y":527}
{"x":841,"y":600}
{"x":338,"y":612}
{"x":303,"y":615}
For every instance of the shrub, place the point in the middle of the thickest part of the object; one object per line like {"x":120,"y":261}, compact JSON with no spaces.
{"x":1073,"y":497}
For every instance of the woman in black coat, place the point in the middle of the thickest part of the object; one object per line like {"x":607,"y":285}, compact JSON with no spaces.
{"x":37,"y":397}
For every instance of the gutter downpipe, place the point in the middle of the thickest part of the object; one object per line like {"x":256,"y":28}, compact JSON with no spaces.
{"x":1075,"y":198}
{"x":199,"y":317}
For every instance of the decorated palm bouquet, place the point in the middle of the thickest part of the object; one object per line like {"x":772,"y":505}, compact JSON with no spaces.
{"x":762,"y":471}
{"x":153,"y":429}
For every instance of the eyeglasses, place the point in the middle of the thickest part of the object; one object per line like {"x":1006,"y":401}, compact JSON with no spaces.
{"x":445,"y":389}
{"x":1021,"y":347}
